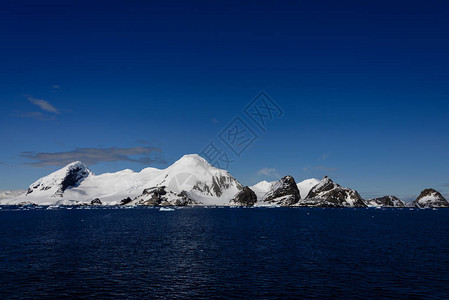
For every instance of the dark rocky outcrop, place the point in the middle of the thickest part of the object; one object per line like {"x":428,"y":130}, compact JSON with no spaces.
{"x":386,"y":201}
{"x":125,"y":201}
{"x":327,"y":193}
{"x":70,"y":176}
{"x":430,"y":198}
{"x":183,"y":199}
{"x":153,"y":195}
{"x":246,"y":197}
{"x":160,"y":196}
{"x":285,"y":192}
{"x":96,"y":201}
{"x":73,"y":178}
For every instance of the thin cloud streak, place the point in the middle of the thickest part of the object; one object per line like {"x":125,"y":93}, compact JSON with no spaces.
{"x":37,"y":115}
{"x":91,"y":156}
{"x":44,"y":105}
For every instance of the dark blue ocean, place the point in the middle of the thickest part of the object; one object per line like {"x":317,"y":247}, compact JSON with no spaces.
{"x":211,"y":253}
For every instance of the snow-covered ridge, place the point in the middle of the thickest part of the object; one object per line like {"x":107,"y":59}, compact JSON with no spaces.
{"x":56,"y":183}
{"x":385,"y":201}
{"x":191,"y":180}
{"x":284,"y":192}
{"x":76,"y":184}
{"x":328,"y":193}
{"x":430,"y":198}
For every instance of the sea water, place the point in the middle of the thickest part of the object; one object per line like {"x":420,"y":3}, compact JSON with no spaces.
{"x":206,"y":253}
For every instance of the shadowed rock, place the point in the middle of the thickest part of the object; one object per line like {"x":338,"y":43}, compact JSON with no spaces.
{"x":285,"y":192}
{"x":430,"y":198}
{"x":246,"y":197}
{"x":386,"y":201}
{"x":328,"y":193}
{"x":96,"y":201}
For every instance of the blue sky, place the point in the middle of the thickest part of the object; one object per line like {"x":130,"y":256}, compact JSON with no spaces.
{"x":363,"y":86}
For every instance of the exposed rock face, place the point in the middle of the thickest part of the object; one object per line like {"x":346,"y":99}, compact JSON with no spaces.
{"x":125,"y":201}
{"x":73,"y":178}
{"x":154,"y":195}
{"x":70,"y":176}
{"x":183,"y":199}
{"x":96,"y":201}
{"x":284,"y":192}
{"x":430,"y":198}
{"x":219,"y":184}
{"x":329,"y":194}
{"x":246,"y":197}
{"x":160,"y":196}
{"x":386,"y":201}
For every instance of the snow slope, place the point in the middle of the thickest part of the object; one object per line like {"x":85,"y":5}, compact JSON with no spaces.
{"x":262,"y":188}
{"x":75,"y":184}
{"x":306,"y":185}
{"x":11,"y":194}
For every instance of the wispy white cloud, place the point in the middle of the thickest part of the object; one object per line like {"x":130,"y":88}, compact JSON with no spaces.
{"x":269,"y":172}
{"x":91,"y":156}
{"x":43,"y":104}
{"x":37,"y":115}
{"x":55,"y":86}
{"x":215,"y":121}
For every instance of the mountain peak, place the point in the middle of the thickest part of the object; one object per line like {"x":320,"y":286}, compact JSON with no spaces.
{"x":332,"y":194}
{"x":283,"y":192}
{"x":76,"y":164}
{"x":326,"y":179}
{"x":57,"y":182}
{"x":192,"y":159}
{"x":430,"y":198}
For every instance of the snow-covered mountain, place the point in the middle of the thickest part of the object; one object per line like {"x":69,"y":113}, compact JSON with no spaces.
{"x":304,"y":187}
{"x":430,"y":198}
{"x":192,"y":176}
{"x":385,"y":201}
{"x":284,"y":192}
{"x":328,"y":193}
{"x":55,"y":184}
{"x":193,"y":181}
